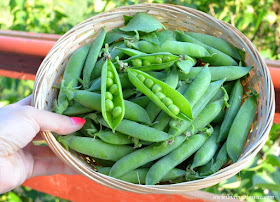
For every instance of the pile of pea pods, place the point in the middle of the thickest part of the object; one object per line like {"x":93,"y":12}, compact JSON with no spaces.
{"x":161,"y":106}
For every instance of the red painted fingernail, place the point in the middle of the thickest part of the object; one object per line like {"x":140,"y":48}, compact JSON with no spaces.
{"x":78,"y":120}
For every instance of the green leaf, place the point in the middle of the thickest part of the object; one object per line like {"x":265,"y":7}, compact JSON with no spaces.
{"x":142,"y":22}
{"x":273,"y":160}
{"x":152,"y":38}
{"x":263,"y":180}
{"x":127,"y":19}
{"x":116,"y":34}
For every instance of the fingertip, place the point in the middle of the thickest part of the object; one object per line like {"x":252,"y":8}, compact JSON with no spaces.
{"x":78,"y":120}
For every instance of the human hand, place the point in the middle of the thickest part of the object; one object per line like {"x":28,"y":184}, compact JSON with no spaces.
{"x":19,"y":158}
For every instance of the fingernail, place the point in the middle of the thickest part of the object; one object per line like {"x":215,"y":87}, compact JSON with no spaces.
{"x":78,"y":120}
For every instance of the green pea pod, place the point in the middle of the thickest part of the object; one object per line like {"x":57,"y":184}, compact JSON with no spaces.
{"x":180,"y":109}
{"x":186,"y":64}
{"x":95,"y":148}
{"x":229,"y":72}
{"x":76,"y":109}
{"x":93,"y":101}
{"x":71,"y":74}
{"x":114,"y":138}
{"x":217,"y":57}
{"x":138,"y":176}
{"x":207,"y":151}
{"x":149,"y":62}
{"x":112,"y":102}
{"x":234,"y":105}
{"x":131,"y":52}
{"x":142,"y":156}
{"x":174,"y":158}
{"x":198,"y":87}
{"x":219,"y":44}
{"x":173,"y":47}
{"x":172,"y":80}
{"x":94,"y":51}
{"x":240,"y":128}
{"x":219,"y":118}
{"x":142,"y":132}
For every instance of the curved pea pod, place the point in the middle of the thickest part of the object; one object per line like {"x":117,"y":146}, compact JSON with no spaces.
{"x":207,"y":151}
{"x":131,"y":52}
{"x":219,"y":44}
{"x":229,"y":72}
{"x":114,"y":138}
{"x":234,"y":105}
{"x":186,"y":64}
{"x":177,"y":106}
{"x":217,"y":57}
{"x":112,"y":102}
{"x":155,"y":61}
{"x":174,"y":158}
{"x":142,"y":132}
{"x":142,"y":156}
{"x":93,"y":101}
{"x":198,"y":107}
{"x":172,"y":80}
{"x":240,"y":127}
{"x":94,"y":51}
{"x":71,"y":74}
{"x":138,"y":176}
{"x":197,"y":88}
{"x":95,"y":148}
{"x":173,"y":47}
{"x":76,"y":108}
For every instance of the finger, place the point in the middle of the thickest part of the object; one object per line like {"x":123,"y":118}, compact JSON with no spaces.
{"x":25,"y":101}
{"x":60,"y":124}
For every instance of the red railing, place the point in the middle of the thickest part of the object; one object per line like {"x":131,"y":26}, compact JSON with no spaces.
{"x":21,"y":53}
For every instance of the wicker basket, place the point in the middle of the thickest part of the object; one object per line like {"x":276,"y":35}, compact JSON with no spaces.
{"x":173,"y":17}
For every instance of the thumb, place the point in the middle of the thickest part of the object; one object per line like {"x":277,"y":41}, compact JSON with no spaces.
{"x":60,"y":124}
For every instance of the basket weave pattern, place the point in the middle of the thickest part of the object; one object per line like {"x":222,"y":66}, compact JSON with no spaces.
{"x":173,"y":17}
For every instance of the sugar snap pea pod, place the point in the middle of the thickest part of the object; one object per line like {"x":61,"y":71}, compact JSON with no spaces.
{"x":132,"y":111}
{"x":174,"y":158}
{"x":173,"y":47}
{"x":155,"y":61}
{"x":207,"y":151}
{"x":217,"y":57}
{"x":199,"y":106}
{"x":142,"y":156}
{"x":127,"y":93}
{"x":240,"y":127}
{"x":186,"y":64}
{"x":88,"y":129}
{"x":168,"y":99}
{"x":142,"y":132}
{"x":112,"y":102}
{"x":228,"y":87}
{"x":198,"y":87}
{"x":172,"y":80}
{"x":234,"y":105}
{"x":205,"y":117}
{"x":99,"y":64}
{"x":131,"y":52}
{"x":114,"y":138}
{"x":71,"y":74}
{"x":138,"y":176}
{"x":95,"y":148}
{"x":219,"y":44}
{"x":76,"y":109}
{"x":94,"y":51}
{"x":229,"y":72}
{"x":142,"y":101}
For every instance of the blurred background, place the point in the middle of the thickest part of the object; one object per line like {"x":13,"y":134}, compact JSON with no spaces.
{"x":259,"y":20}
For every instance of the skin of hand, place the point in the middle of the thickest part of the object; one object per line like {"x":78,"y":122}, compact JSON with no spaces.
{"x":19,"y":158}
